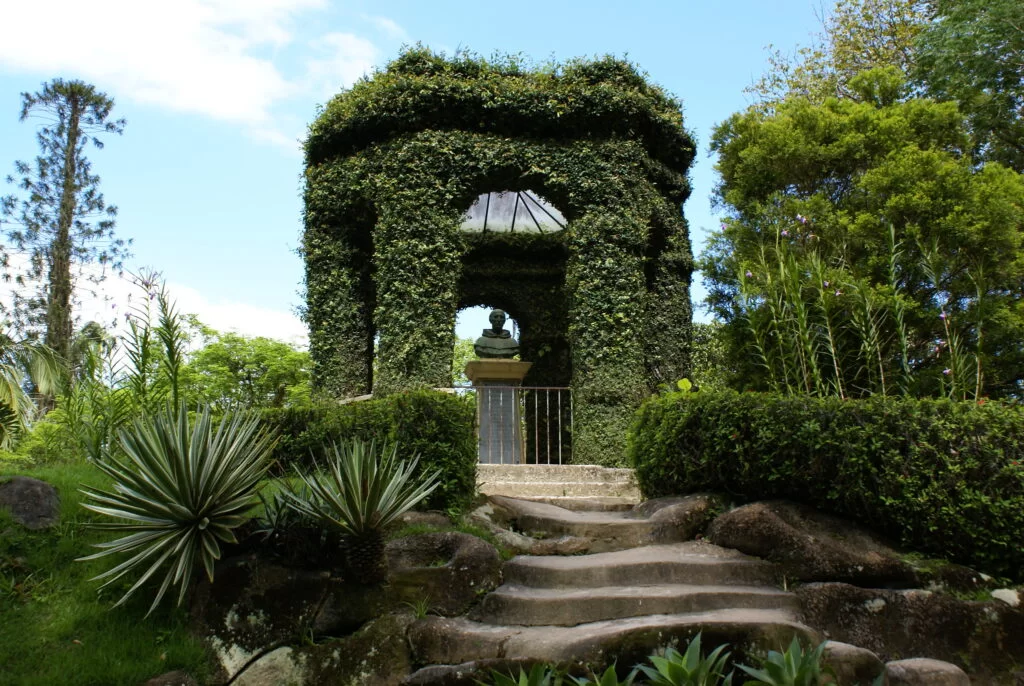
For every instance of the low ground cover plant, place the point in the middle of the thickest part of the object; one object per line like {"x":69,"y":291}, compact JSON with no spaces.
{"x":795,"y":666}
{"x":942,"y":477}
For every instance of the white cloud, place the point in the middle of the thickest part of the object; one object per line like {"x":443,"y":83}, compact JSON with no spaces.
{"x":217,"y":58}
{"x":388,"y":26}
{"x":342,"y":58}
{"x":116,"y":296}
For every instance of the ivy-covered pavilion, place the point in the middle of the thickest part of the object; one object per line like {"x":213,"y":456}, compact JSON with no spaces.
{"x":553,"y":193}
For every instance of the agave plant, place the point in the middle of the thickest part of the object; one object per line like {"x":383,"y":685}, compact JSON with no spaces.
{"x":539,"y":675}
{"x":359,"y":494}
{"x":179,"y":492}
{"x":795,"y":667}
{"x":689,"y":669}
{"x":609,"y":678}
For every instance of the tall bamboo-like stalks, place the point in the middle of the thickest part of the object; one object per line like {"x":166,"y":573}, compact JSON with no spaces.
{"x":821,"y":284}
{"x":980,"y":289}
{"x":867,"y":322}
{"x":777,"y":320}
{"x":804,"y":334}
{"x":952,"y":381}
{"x":899,"y":309}
{"x":747,"y":302}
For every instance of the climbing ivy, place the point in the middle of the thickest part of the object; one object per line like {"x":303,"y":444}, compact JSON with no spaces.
{"x":392,"y":166}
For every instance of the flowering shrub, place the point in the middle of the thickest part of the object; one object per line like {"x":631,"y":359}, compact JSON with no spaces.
{"x":940,"y":476}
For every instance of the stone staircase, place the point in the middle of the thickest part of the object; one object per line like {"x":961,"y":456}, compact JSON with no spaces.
{"x":635,"y":591}
{"x":576,"y":485}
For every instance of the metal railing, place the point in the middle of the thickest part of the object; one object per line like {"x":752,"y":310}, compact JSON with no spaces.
{"x":524,"y":424}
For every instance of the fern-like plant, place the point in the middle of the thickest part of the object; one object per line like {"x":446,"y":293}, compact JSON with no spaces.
{"x":359,"y":494}
{"x":691,"y":668}
{"x":795,"y":667}
{"x":179,"y":491}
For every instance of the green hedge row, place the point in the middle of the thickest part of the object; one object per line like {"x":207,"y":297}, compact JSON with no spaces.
{"x":944,"y":478}
{"x":437,"y":426}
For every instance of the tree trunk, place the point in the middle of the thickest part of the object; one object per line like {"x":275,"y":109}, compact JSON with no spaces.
{"x":59,"y":328}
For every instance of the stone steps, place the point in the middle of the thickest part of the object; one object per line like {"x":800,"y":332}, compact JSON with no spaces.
{"x":590,"y":503}
{"x":452,"y":641}
{"x":529,"y":606}
{"x":556,"y":481}
{"x":691,"y":562}
{"x":638,"y":590}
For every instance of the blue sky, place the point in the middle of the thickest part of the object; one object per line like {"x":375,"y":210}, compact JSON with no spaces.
{"x":218,"y":94}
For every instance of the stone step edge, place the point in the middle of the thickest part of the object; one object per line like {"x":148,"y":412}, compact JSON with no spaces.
{"x":553,"y":643}
{"x":511,"y":590}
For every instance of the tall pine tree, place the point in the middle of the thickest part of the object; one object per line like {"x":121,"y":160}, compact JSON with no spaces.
{"x":59,"y":219}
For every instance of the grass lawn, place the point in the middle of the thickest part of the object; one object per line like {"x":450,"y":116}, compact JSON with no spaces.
{"x":55,"y":628}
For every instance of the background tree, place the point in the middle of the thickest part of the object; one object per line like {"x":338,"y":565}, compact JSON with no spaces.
{"x":60,"y":218}
{"x":857,"y":35}
{"x":462,"y":354}
{"x":974,"y":54}
{"x":864,"y":252}
{"x":233,"y":371}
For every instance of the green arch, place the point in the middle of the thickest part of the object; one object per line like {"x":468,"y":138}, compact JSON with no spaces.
{"x":393,"y":164}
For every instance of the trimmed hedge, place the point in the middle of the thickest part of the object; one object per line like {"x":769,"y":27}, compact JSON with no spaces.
{"x":944,"y":478}
{"x":437,"y":426}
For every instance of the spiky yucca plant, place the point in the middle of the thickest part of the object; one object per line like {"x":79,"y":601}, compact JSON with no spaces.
{"x":179,"y":492}
{"x":359,"y":494}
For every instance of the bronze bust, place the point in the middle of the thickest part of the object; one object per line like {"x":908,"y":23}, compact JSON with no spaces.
{"x":495,"y":341}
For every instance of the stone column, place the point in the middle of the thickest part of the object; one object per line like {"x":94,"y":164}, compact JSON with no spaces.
{"x":499,"y":416}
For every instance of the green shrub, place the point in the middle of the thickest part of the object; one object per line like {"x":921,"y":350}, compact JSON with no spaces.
{"x":439,"y":427}
{"x":942,"y":477}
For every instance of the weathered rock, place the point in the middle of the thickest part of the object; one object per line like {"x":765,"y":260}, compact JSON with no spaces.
{"x":987,"y":637}
{"x":850,"y":664}
{"x":468,"y":673}
{"x":377,"y":654}
{"x":435,"y":519}
{"x":440,"y":640}
{"x":280,"y":667}
{"x":1008,"y":596}
{"x":32,"y":503}
{"x":255,"y":605}
{"x":176,"y":678}
{"x":810,"y":545}
{"x":924,"y":672}
{"x":680,"y":519}
{"x":449,"y":571}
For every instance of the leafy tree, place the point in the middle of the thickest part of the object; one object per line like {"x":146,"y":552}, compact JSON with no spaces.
{"x":61,"y":218}
{"x":863,"y":251}
{"x":233,"y":371}
{"x":974,"y":54}
{"x":856,"y":36}
{"x":710,"y":368}
{"x":463,"y":353}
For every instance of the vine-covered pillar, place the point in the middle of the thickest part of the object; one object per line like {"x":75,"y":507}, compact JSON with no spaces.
{"x":417,"y":255}
{"x":338,"y":314}
{"x":668,"y":336}
{"x":605,"y":280}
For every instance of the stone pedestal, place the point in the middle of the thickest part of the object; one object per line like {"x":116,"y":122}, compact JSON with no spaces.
{"x":499,"y":417}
